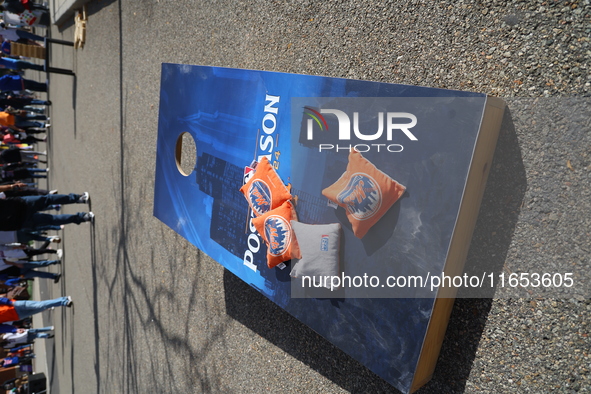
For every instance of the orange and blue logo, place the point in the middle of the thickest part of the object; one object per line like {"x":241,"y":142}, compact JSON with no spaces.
{"x":362,"y":196}
{"x":278,"y":234}
{"x":260,"y":197}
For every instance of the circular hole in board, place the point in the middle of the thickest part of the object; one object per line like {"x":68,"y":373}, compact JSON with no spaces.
{"x":185,"y":153}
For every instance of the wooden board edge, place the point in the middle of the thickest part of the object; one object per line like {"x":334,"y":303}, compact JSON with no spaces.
{"x":460,"y":242}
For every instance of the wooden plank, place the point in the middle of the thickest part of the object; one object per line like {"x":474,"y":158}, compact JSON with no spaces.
{"x":475,"y":185}
{"x":24,"y":50}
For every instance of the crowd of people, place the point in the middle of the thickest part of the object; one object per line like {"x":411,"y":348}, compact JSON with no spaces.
{"x":24,"y":220}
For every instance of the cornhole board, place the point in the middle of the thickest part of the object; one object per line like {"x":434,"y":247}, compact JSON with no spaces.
{"x":237,"y":115}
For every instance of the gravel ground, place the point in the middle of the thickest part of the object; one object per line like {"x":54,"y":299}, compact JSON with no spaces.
{"x":156,"y":315}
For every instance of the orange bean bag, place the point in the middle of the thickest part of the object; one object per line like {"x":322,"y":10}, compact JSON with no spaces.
{"x":265,"y":190}
{"x":365,"y":192}
{"x":275,"y":229}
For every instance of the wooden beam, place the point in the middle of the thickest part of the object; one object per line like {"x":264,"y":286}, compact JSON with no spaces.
{"x":475,"y":184}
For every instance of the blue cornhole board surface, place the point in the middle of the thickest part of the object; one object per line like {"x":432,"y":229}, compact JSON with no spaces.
{"x":224,"y":111}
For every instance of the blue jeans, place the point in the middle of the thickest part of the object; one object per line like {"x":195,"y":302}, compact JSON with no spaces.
{"x":21,"y":123}
{"x":29,"y":265}
{"x":46,"y":219}
{"x":30,"y":274}
{"x":29,"y":308}
{"x":24,"y":237}
{"x":39,"y":102}
{"x":32,"y":337}
{"x":42,"y":329}
{"x":35,"y":333}
{"x":35,"y":110}
{"x":32,"y":173}
{"x":39,"y":203}
{"x":22,"y":65}
{"x":33,"y":116}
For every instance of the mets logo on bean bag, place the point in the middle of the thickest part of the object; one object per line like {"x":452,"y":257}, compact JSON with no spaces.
{"x":278,"y":234}
{"x":362,"y":196}
{"x":260,"y":197}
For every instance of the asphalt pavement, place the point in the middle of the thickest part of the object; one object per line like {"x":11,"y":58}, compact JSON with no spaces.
{"x":154,"y":314}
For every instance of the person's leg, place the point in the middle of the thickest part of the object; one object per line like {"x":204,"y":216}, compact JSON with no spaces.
{"x":37,"y":176}
{"x":24,"y":237}
{"x":29,"y":156}
{"x":36,"y":110}
{"x":33,"y":130}
{"x":40,"y":102}
{"x":38,"y":203}
{"x":28,"y":265}
{"x":33,"y":116}
{"x":22,"y":65}
{"x":33,"y":140}
{"x":29,"y":308}
{"x":34,"y":85}
{"x":42,"y":329}
{"x":32,"y":336}
{"x":48,"y":227}
{"x":42,"y":219}
{"x":30,"y":274}
{"x":23,"y":123}
{"x":37,"y":252}
{"x":34,"y":173}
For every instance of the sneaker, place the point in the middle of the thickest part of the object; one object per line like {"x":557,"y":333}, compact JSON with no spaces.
{"x":69,"y":303}
{"x":51,"y":328}
{"x":55,"y":238}
{"x":47,"y":169}
{"x":88,"y":217}
{"x":50,"y":336}
{"x":84,"y":198}
{"x":54,"y":191}
{"x":60,"y":254}
{"x":47,"y":125}
{"x":56,"y":278}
